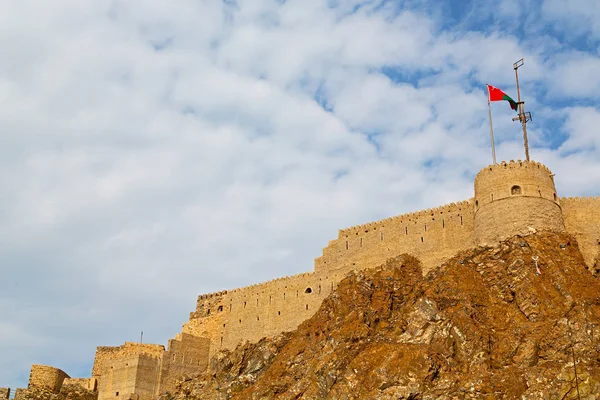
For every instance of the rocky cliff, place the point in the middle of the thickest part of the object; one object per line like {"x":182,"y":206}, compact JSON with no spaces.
{"x":517,"y":320}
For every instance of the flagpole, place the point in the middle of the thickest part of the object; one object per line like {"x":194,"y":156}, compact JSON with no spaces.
{"x":522,"y":116}
{"x":491,"y":129}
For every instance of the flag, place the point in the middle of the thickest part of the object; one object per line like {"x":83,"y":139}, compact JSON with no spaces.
{"x":496,"y":94}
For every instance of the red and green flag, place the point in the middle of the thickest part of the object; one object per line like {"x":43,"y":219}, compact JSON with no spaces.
{"x":496,"y":94}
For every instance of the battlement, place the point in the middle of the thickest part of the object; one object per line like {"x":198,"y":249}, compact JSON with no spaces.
{"x":410,"y":216}
{"x":515,"y":164}
{"x":581,"y":199}
{"x":211,"y":295}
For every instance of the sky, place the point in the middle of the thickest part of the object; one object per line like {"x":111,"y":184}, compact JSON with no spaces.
{"x":152,"y":151}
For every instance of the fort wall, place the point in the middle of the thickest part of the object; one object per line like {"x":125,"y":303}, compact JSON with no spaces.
{"x":582,"y":220}
{"x":187,"y":355}
{"x":256,"y":311}
{"x":135,"y":373}
{"x":4,"y":393}
{"x":20,"y":394}
{"x":105,"y":354}
{"x":86,"y":383}
{"x":46,"y":377}
{"x":431,"y":235}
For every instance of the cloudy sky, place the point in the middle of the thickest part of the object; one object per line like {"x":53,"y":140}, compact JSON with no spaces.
{"x":151,"y":151}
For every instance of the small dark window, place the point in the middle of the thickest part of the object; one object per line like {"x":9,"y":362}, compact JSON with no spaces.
{"x":476,"y":203}
{"x":515,"y":190}
{"x":244,"y":304}
{"x":554,"y":196}
{"x":278,"y":312}
{"x":346,"y":245}
{"x":421,"y":239}
{"x":307,"y":306}
{"x":308,"y":290}
{"x":116,"y":394}
{"x":208,"y":312}
{"x":220,"y":308}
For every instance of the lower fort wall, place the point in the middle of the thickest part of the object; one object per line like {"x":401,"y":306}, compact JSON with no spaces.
{"x":582,"y":220}
{"x":90,"y":384}
{"x":263,"y":310}
{"x":46,"y":377}
{"x":4,"y":393}
{"x":106,"y":354}
{"x":20,"y":394}
{"x":137,"y":373}
{"x":186,"y":356}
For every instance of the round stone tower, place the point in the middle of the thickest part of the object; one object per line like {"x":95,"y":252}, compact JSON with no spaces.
{"x":513,"y":198}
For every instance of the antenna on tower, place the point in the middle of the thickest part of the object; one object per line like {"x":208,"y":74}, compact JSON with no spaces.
{"x":524,"y":117}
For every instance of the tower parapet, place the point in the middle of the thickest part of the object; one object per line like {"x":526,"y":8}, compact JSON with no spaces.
{"x":514,"y":198}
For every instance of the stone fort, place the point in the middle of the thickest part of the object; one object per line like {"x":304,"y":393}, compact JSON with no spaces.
{"x":510,"y":198}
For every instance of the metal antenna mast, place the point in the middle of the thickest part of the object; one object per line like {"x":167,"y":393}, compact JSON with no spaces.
{"x":524,"y":117}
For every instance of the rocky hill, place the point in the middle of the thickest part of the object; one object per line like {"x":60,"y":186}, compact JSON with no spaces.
{"x":517,"y":320}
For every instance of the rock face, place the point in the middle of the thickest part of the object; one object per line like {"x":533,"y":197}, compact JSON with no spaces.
{"x":518,"y":320}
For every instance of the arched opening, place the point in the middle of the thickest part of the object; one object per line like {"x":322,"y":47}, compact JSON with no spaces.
{"x":308,"y":290}
{"x":515,"y":190}
{"x":220,"y":308}
{"x":476,"y":203}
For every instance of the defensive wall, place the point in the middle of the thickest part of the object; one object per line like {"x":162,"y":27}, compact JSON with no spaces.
{"x":127,"y":369}
{"x":90,"y":384}
{"x":515,"y":197}
{"x":186,"y":355}
{"x":582,"y":220}
{"x":147,"y":369}
{"x":47,"y":378}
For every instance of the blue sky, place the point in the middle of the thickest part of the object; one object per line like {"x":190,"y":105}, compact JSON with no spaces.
{"x":152,"y":151}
